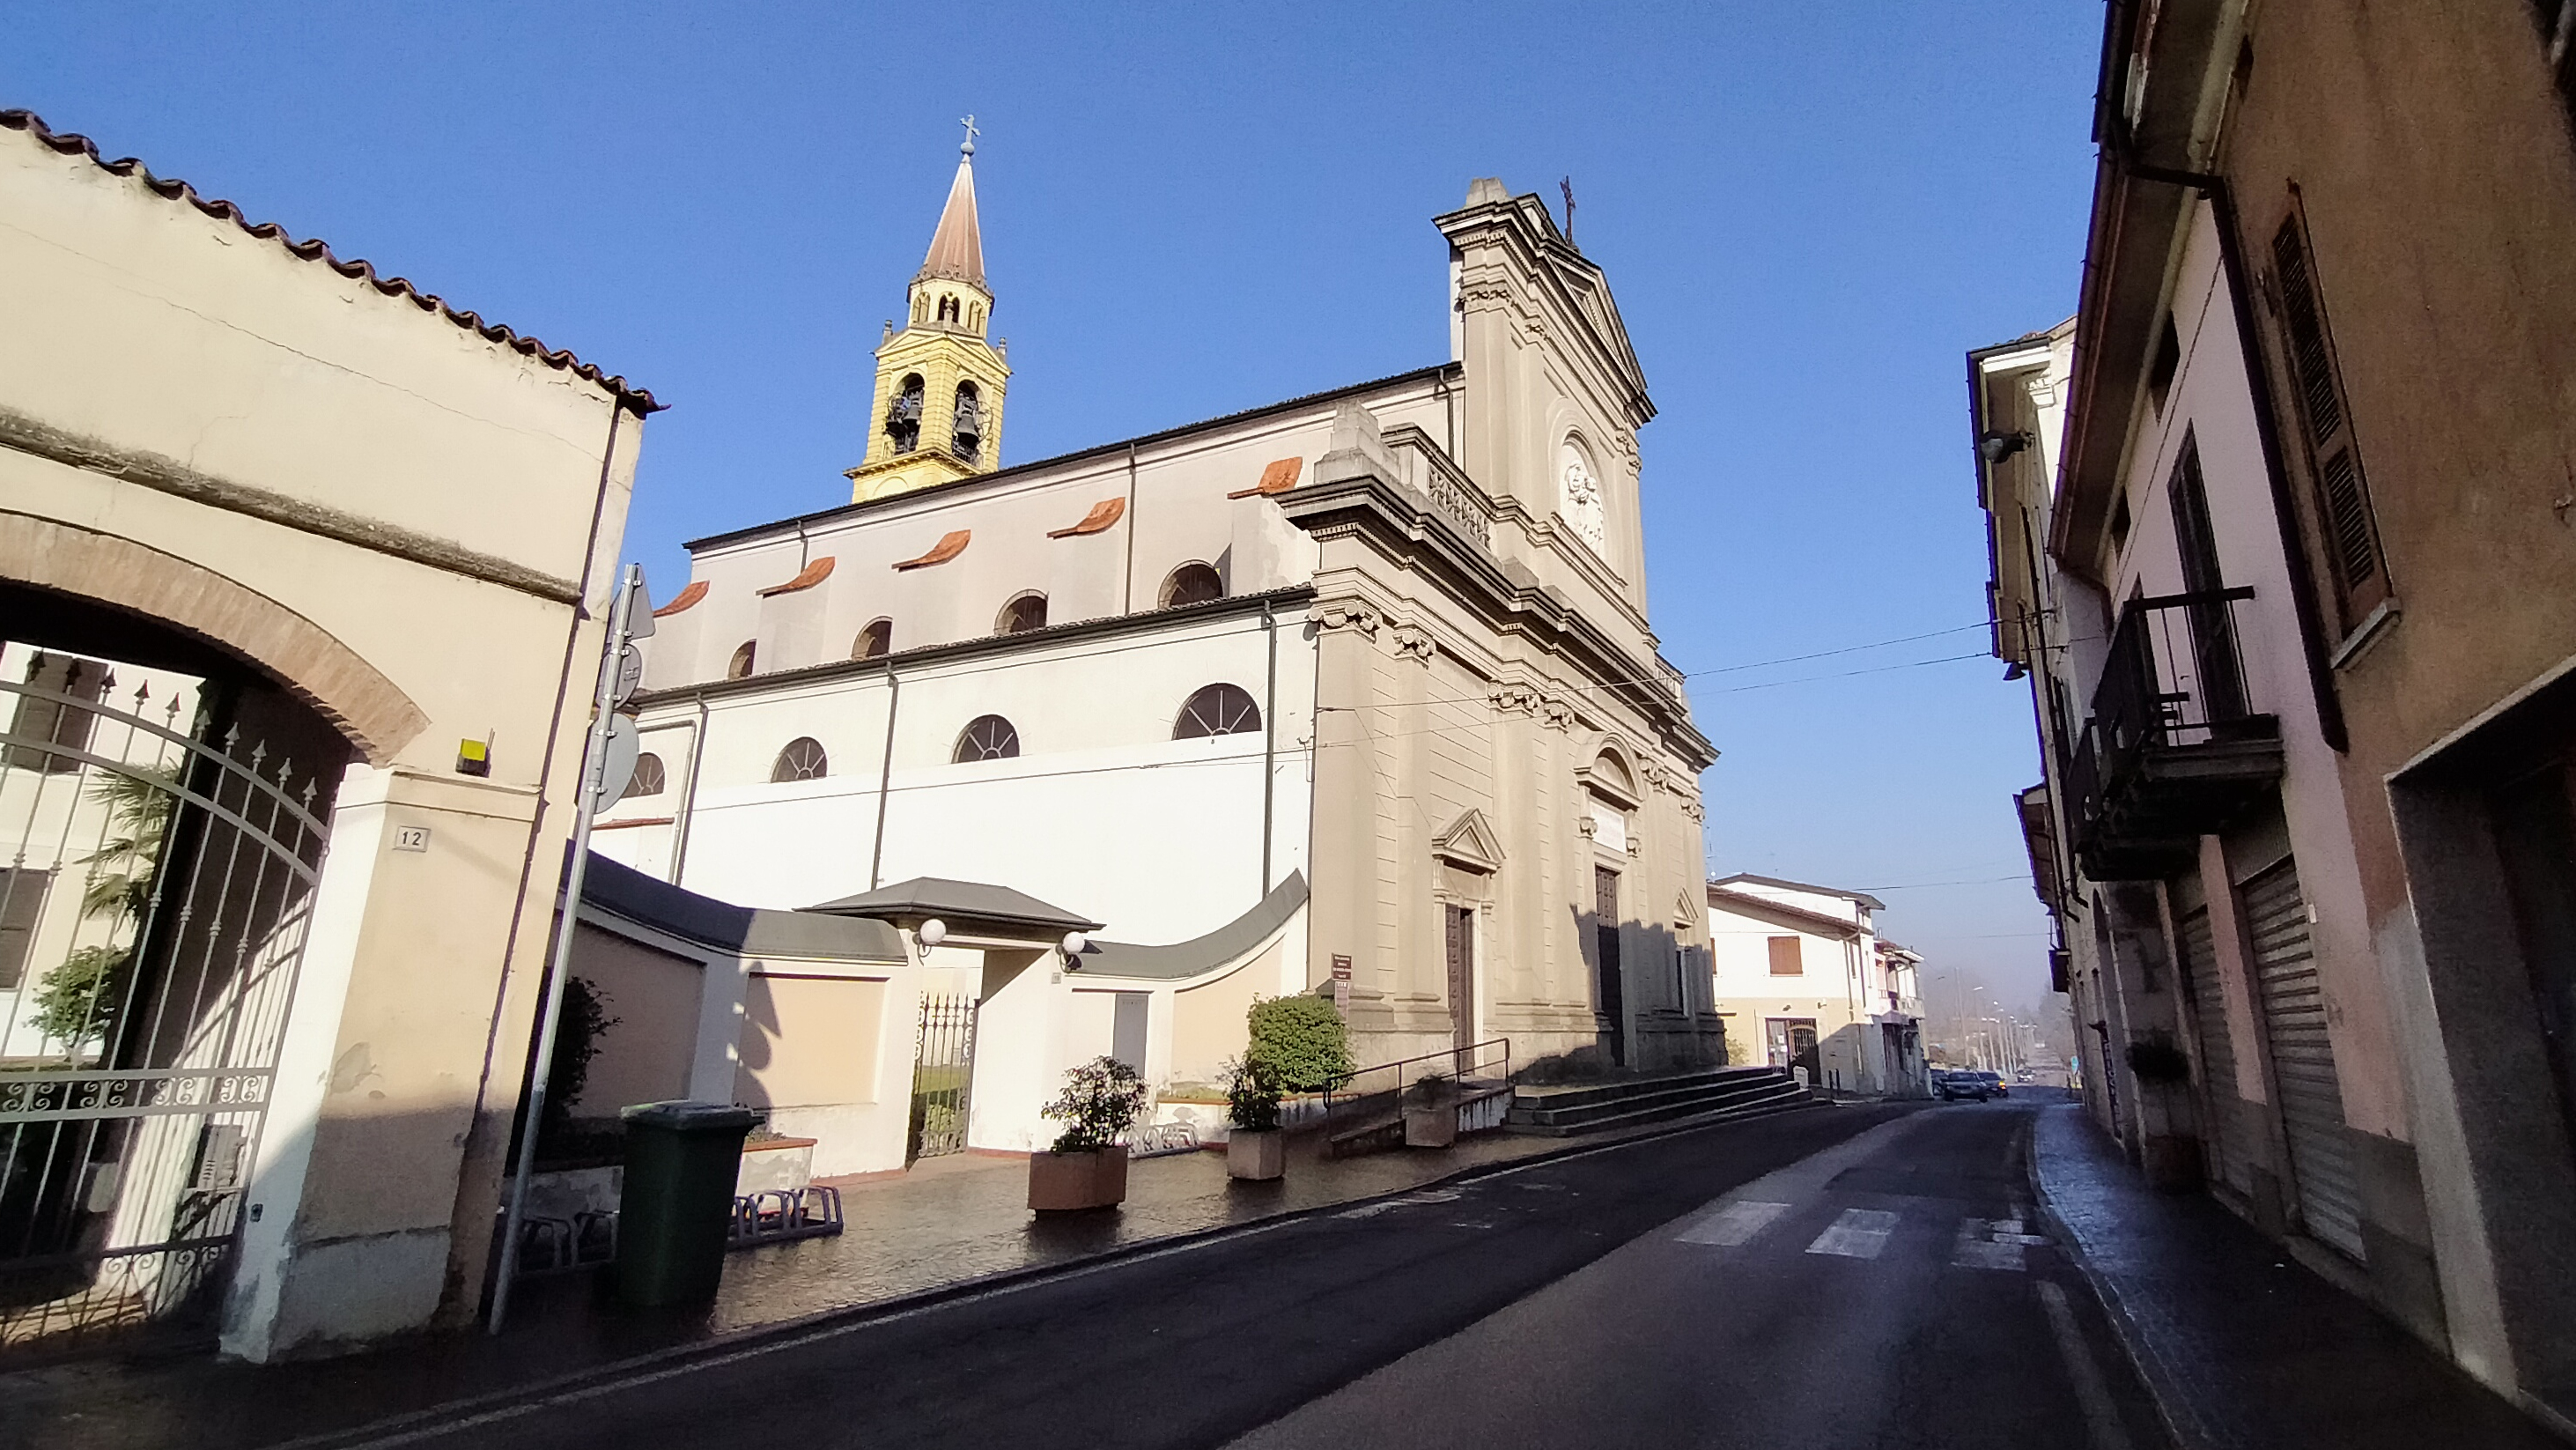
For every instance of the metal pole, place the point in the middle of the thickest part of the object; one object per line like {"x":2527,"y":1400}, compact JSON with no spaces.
{"x":567,"y":917}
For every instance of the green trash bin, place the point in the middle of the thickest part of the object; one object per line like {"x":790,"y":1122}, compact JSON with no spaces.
{"x":676,"y":1208}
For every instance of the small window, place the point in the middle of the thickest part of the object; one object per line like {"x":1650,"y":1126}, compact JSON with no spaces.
{"x":1192,"y":583}
{"x":1217,"y":710}
{"x":803,"y":759}
{"x":65,"y":725}
{"x":2120,"y":524}
{"x":739,"y":667}
{"x":877,"y":639}
{"x":1021,"y":615}
{"x":22,"y":905}
{"x":989,"y":737}
{"x":947,"y":307}
{"x":649,"y":778}
{"x":2168,"y":361}
{"x":1785,"y":961}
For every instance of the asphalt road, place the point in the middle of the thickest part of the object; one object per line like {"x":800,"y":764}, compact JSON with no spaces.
{"x":1646,"y":1294}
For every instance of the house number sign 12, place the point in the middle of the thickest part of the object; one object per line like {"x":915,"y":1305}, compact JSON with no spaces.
{"x":411,"y":838}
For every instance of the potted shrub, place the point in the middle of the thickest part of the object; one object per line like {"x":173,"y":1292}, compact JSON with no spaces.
{"x":1300,"y":1041}
{"x":1430,"y":1112}
{"x":1087,"y":1167}
{"x":1254,"y":1147}
{"x":2168,"y":1149}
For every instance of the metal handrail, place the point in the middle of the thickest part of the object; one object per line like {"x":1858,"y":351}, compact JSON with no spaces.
{"x":1341,"y":1096}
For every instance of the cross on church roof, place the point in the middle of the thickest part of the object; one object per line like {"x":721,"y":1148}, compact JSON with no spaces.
{"x":972,"y":131}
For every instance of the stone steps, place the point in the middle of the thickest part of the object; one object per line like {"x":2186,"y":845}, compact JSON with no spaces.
{"x":1717,"y":1092}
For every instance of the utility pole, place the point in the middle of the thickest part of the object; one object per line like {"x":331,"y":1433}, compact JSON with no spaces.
{"x":607,"y":764}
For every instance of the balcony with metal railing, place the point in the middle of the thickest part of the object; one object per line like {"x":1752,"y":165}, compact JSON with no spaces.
{"x":2175,"y":748}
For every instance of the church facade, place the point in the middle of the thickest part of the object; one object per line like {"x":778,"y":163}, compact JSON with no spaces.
{"x":1371,"y":666}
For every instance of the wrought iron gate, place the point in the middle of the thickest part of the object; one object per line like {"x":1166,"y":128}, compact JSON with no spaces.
{"x":153,"y":908}
{"x":943,"y":1068}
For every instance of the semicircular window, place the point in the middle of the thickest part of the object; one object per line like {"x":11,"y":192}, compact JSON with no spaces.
{"x":987,"y":737}
{"x":739,"y":667}
{"x":802,"y":759}
{"x":875,"y":640}
{"x":649,"y":778}
{"x":1021,"y":615}
{"x":1192,"y":583}
{"x":1217,"y":710}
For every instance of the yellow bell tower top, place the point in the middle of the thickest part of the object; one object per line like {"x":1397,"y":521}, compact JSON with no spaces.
{"x":938,"y":413}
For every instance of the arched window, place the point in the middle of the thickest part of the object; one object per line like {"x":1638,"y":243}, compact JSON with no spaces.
{"x":947,"y":307}
{"x":988,"y":737}
{"x":875,"y":640}
{"x":1217,"y":710}
{"x":1022,"y":615}
{"x":739,"y":667}
{"x":802,"y":759}
{"x":1192,"y":583}
{"x":969,"y":443}
{"x":649,"y":778}
{"x":903,"y":414}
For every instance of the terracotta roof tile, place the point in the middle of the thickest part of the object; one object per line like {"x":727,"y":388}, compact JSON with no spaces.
{"x":1279,"y":477}
{"x":1104,"y":513}
{"x":315,"y":250}
{"x":949,"y":547}
{"x":806,"y":578}
{"x":696,"y":591}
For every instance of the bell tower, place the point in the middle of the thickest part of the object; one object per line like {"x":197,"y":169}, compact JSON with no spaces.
{"x":938,"y":412}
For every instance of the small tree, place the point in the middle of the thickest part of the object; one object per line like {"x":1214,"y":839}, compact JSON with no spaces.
{"x":1251,"y":1097}
{"x":1100,"y":1099}
{"x":1300,"y":1042}
{"x":79,"y":999}
{"x":578,"y":1031}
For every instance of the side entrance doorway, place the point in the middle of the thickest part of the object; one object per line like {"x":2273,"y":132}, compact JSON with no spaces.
{"x":1461,"y":921}
{"x":943,"y":1067}
{"x":1793,"y":1044}
{"x":1613,"y":994}
{"x":163,"y":817}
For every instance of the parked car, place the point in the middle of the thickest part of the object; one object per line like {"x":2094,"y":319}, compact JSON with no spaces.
{"x":1952,"y":1087}
{"x":1994,"y":1081}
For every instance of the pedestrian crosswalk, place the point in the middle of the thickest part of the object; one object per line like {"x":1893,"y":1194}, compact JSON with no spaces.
{"x":1861,"y":1233}
{"x":1994,"y":1244}
{"x":1734,"y":1224}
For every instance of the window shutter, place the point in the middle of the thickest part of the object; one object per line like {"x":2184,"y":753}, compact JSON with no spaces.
{"x":1784,"y":957}
{"x":2343,"y":502}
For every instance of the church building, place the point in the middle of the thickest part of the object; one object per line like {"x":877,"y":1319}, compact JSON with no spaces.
{"x":1353,"y":693}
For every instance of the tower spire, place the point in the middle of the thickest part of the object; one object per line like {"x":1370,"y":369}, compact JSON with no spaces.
{"x":957,"y":248}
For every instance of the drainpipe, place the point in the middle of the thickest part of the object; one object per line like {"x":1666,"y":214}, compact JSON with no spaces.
{"x":885,"y":778}
{"x":2258,"y":382}
{"x":1127,"y":581}
{"x":1269,"y":742}
{"x":689,"y":797}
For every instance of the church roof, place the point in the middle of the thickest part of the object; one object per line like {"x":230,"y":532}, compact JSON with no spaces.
{"x":957,"y":248}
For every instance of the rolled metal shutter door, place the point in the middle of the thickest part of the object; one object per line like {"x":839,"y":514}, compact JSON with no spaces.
{"x":2217,"y":1047}
{"x":2294,"y":1021}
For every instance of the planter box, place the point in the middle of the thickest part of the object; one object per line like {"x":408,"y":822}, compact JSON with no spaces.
{"x":1257,"y":1157}
{"x":1065,"y":1182}
{"x":1435,"y":1126}
{"x":775,"y":1164}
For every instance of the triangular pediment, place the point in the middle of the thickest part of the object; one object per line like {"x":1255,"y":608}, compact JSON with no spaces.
{"x":1685,"y":910}
{"x":1471,"y":842}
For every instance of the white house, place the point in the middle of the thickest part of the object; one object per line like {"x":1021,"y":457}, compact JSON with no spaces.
{"x":1803,"y":980}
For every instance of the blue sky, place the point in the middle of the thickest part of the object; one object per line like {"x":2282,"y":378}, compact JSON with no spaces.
{"x":1809,"y":213}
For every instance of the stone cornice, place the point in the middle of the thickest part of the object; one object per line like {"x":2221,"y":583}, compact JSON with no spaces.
{"x":1403,"y":527}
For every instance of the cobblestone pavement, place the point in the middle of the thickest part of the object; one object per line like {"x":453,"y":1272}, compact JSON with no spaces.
{"x":947,"y":1222}
{"x":2242,"y":1345}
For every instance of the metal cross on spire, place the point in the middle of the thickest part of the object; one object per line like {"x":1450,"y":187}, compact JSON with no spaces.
{"x":1567,"y":186}
{"x":972,"y":131}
